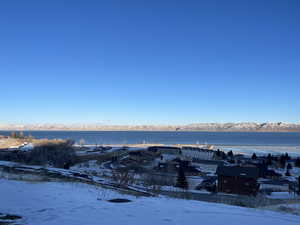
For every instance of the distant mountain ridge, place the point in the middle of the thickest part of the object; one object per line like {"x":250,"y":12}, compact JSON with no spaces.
{"x":213,"y":127}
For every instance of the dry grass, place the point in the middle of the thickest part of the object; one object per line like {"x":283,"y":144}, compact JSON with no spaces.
{"x":40,"y":142}
{"x":9,"y":142}
{"x":289,"y":209}
{"x":54,"y":153}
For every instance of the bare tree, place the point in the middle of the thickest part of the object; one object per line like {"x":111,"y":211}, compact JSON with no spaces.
{"x":122,"y":177}
{"x":81,"y":142}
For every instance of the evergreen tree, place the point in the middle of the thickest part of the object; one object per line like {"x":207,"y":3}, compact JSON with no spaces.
{"x":269,"y":160}
{"x":230,"y":154}
{"x":269,"y":156}
{"x":181,"y":179}
{"x":286,"y":156}
{"x":224,"y":156}
{"x":282,"y":161}
{"x":287,"y":173}
{"x":254,"y":157}
{"x":297,"y":163}
{"x":289,"y":166}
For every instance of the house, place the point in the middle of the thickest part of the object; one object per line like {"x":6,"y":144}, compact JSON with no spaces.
{"x":262,"y":167}
{"x":197,"y":153}
{"x":264,"y":172}
{"x":238,"y":180}
{"x":141,"y":156}
{"x":168,"y":167}
{"x":165,"y":149}
{"x":188,"y":168}
{"x":173,"y":166}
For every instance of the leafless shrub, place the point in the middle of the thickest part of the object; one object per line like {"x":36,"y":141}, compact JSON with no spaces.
{"x":81,"y":142}
{"x":122,"y":177}
{"x":104,"y":194}
{"x":154,"y":179}
{"x":155,"y":182}
{"x":287,"y":209}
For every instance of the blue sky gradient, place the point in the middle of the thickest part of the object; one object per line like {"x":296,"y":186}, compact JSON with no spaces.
{"x":149,"y":62}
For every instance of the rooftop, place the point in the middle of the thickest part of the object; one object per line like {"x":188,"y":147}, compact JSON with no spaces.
{"x":238,"y":171}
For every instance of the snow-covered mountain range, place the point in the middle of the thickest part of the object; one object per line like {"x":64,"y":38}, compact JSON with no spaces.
{"x":242,"y":127}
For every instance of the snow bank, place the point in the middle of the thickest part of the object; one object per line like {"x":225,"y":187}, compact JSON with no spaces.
{"x":282,"y":195}
{"x":27,"y":147}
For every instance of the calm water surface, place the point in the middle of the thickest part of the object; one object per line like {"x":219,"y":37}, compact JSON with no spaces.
{"x":134,"y":137}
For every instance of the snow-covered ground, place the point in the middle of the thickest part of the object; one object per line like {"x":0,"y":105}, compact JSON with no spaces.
{"x":288,"y":208}
{"x":92,"y":149}
{"x":282,"y":195}
{"x":73,"y":203}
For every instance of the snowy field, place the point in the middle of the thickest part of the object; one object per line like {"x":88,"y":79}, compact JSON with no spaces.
{"x":44,"y":203}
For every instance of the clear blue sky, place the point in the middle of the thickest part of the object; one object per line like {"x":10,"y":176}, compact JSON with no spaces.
{"x":149,"y":62}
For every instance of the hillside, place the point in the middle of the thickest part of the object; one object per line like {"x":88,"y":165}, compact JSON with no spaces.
{"x":50,"y":203}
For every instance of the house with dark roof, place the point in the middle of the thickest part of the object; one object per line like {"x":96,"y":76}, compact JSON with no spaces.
{"x":264,"y":172}
{"x":165,"y":149}
{"x":172,"y":166}
{"x":240,"y":180}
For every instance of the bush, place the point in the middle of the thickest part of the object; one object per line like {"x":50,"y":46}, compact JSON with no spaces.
{"x":55,"y":154}
{"x":122,"y":177}
{"x":254,"y":157}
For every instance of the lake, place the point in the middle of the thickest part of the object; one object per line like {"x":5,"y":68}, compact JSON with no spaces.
{"x":228,"y":140}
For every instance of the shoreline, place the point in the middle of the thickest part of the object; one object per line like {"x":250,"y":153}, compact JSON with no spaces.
{"x":238,"y":149}
{"x":133,"y":130}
